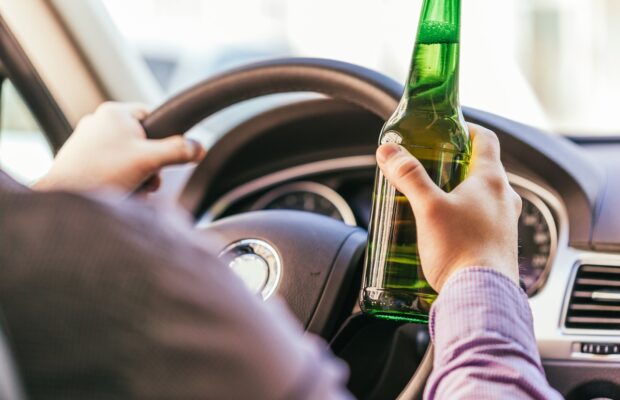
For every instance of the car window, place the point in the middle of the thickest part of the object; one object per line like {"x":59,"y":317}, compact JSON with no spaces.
{"x":548,"y":63}
{"x":25,"y":153}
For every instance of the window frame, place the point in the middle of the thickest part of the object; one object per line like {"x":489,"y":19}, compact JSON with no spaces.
{"x":15,"y":66}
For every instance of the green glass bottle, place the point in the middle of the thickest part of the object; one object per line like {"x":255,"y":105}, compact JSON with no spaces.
{"x":428,"y":123}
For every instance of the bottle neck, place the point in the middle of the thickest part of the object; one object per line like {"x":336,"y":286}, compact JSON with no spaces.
{"x":433,"y":83}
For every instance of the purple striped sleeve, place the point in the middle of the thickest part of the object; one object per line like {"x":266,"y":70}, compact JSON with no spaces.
{"x":485,"y":347}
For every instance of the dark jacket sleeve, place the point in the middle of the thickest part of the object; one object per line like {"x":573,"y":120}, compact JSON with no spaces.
{"x":103,"y":301}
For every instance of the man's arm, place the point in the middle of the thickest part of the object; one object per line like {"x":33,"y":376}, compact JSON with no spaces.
{"x":121,"y":301}
{"x":211,"y":338}
{"x":182,"y":325}
{"x":485,"y":348}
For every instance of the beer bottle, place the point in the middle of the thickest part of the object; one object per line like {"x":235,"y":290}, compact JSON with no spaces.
{"x":429,"y":124}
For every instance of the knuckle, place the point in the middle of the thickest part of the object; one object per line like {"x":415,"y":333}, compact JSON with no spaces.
{"x":436,"y":209}
{"x":178,"y":146}
{"x":151,"y":164}
{"x":498,"y":185}
{"x":85,"y":121}
{"x":491,"y":135}
{"x":516,"y":201}
{"x":485,"y":132}
{"x":106,"y":107}
{"x":433,"y":209}
{"x":493,"y":143}
{"x":407,"y":169}
{"x":488,"y":140}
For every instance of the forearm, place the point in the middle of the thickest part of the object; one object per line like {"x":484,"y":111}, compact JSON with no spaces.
{"x":485,"y":347}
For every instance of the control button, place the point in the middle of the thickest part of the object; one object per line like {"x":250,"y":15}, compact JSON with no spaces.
{"x":252,"y":270}
{"x":256,"y":263}
{"x":600,"y":348}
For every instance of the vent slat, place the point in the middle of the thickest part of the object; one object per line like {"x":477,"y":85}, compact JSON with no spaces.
{"x":597,"y":282}
{"x":582,"y":293}
{"x":593,"y":307}
{"x":593,"y":320}
{"x":594,"y":301}
{"x":605,"y":270}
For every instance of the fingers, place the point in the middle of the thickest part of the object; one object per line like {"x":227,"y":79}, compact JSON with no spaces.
{"x":134,"y":110}
{"x":485,"y":152}
{"x":139,"y":111}
{"x":407,"y":174}
{"x":154,"y":154}
{"x":174,"y":150}
{"x":486,"y":166}
{"x":150,"y":185}
{"x":128,"y":114}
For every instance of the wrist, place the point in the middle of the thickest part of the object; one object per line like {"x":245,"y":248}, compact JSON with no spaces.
{"x":44,"y":184}
{"x":509,"y":274}
{"x":508,"y":270}
{"x":54,"y":180}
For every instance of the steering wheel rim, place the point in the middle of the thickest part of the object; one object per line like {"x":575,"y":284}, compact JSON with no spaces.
{"x":339,"y":80}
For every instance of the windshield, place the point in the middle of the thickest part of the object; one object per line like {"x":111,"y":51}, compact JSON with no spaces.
{"x":549,"y":63}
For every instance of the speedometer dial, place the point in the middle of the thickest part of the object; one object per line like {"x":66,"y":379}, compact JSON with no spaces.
{"x":537,"y":241}
{"x":307,"y":196}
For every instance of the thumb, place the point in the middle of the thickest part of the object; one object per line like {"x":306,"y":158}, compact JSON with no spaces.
{"x":406,"y":173}
{"x":174,"y":150}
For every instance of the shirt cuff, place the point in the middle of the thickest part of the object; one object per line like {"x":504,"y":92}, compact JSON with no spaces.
{"x":478,"y":301}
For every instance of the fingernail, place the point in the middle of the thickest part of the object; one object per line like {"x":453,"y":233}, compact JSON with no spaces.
{"x":387,"y":151}
{"x":194,"y":147}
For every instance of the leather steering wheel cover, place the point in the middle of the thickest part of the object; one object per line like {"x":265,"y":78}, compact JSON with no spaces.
{"x":339,"y":80}
{"x":354,"y":84}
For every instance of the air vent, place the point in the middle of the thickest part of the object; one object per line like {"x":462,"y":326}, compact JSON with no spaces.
{"x":595,"y":299}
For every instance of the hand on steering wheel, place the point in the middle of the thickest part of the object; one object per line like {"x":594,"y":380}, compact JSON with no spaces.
{"x":109,"y":149}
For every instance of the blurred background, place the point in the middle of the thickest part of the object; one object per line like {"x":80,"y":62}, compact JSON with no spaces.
{"x":549,"y":63}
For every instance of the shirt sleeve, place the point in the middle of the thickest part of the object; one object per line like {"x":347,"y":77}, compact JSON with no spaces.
{"x":485,"y":348}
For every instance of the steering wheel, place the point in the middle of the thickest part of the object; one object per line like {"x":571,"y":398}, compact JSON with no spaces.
{"x":309,"y":260}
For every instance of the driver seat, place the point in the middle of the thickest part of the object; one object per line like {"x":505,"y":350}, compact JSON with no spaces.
{"x":10,"y":388}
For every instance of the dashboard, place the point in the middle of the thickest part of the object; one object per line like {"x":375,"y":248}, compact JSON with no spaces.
{"x":318,"y":156}
{"x":347,"y":198}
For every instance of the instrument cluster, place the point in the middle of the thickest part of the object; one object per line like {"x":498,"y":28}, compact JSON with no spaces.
{"x":538,"y":235}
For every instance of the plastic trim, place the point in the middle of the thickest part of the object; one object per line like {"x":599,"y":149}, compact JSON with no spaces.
{"x":310,"y":187}
{"x":25,"y":78}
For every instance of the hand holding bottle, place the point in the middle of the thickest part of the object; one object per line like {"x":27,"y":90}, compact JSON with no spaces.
{"x":474,"y":225}
{"x":429,"y":124}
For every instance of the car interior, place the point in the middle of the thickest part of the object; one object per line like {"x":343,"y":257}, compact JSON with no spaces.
{"x":290,"y":187}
